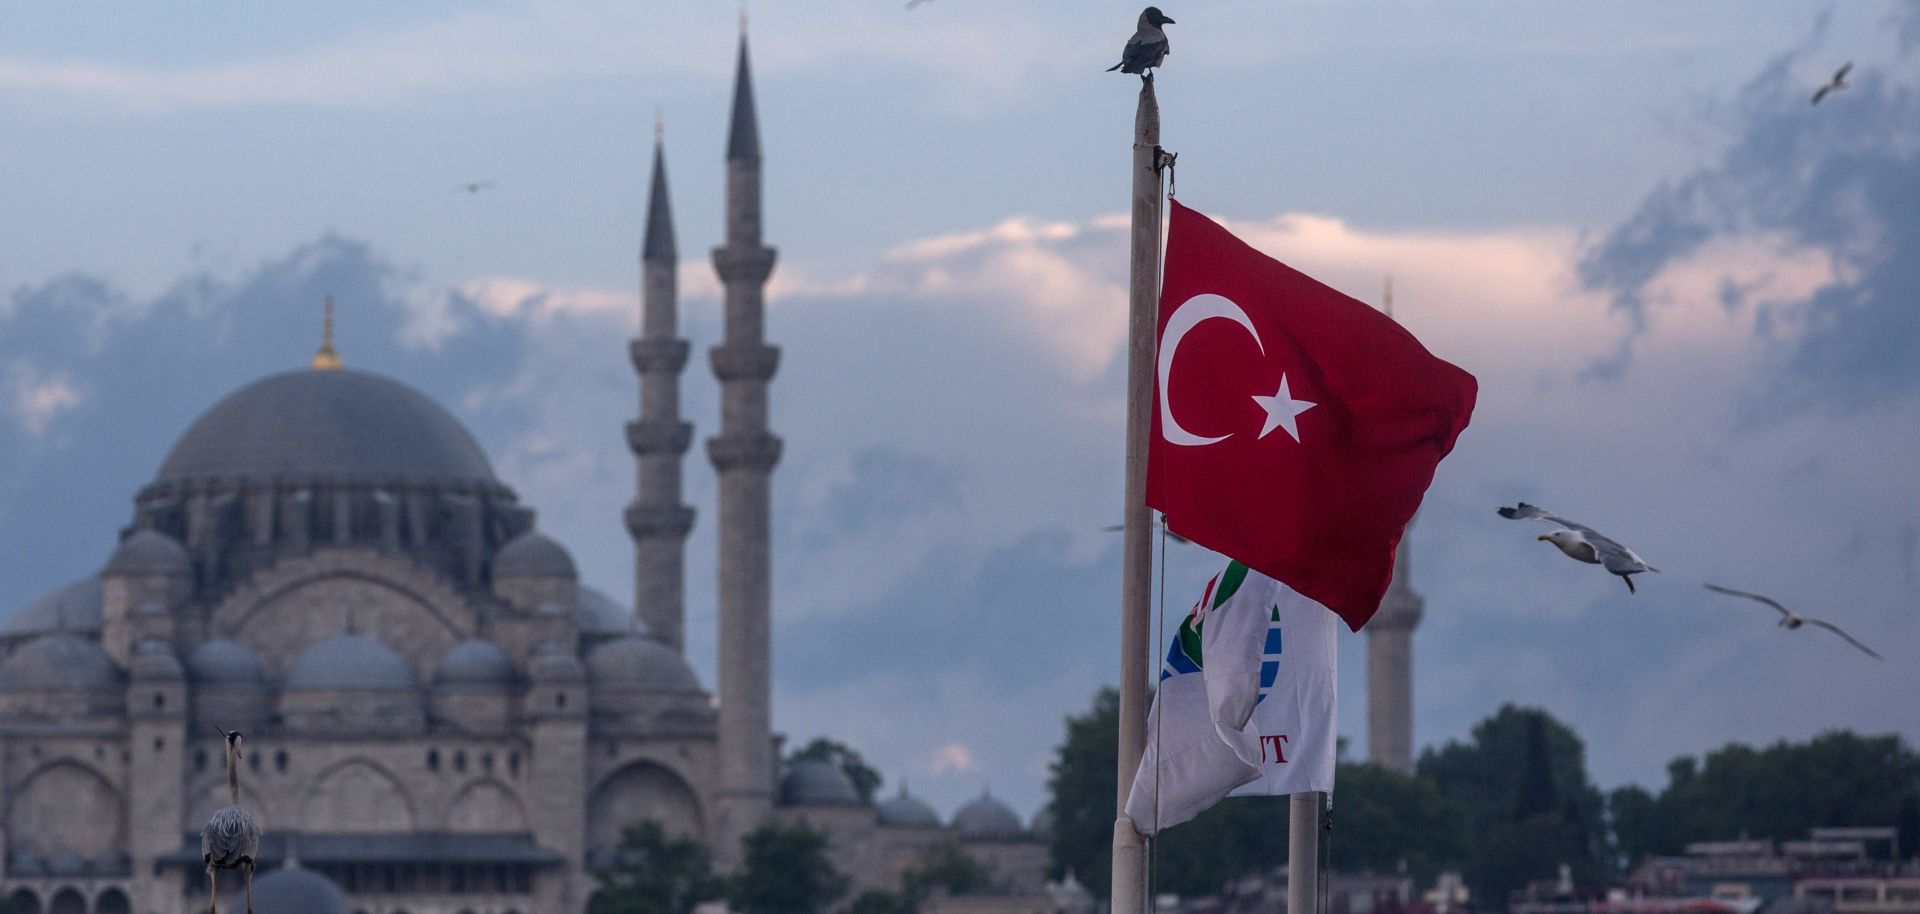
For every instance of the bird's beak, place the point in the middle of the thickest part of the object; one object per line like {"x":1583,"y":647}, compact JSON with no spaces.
{"x":1542,"y":538}
{"x":1165,"y":21}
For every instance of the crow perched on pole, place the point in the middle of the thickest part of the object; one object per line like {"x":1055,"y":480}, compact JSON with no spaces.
{"x":1148,"y":46}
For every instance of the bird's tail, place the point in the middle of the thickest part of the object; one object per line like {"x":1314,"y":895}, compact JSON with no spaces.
{"x":1116,"y":66}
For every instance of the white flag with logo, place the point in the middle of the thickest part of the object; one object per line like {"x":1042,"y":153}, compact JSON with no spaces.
{"x":1245,"y":704}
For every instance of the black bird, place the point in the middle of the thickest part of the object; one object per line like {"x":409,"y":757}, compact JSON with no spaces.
{"x":473,"y":187}
{"x":1148,"y":46}
{"x":1839,"y":82}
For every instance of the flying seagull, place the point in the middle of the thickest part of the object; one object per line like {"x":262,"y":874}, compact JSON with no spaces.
{"x":1583,"y":543}
{"x":913,"y":3}
{"x":1791,"y":620}
{"x":473,"y":187}
{"x":1148,"y":46}
{"x":1839,"y":82}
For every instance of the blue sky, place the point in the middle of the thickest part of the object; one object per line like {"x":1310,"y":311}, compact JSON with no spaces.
{"x":1685,"y":291}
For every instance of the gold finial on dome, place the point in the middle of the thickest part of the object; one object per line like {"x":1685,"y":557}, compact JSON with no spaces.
{"x":326,"y":358}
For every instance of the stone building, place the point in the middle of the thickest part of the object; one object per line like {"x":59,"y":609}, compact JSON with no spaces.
{"x":439,"y":717}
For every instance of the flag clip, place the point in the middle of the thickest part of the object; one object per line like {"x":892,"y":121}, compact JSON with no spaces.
{"x":1164,"y":161}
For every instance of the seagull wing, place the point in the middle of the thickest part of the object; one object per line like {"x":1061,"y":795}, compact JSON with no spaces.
{"x":1829,"y":626}
{"x":1841,"y":73}
{"x":1617,"y":558}
{"x":1817,"y":96}
{"x":1524,"y":511}
{"x":1784,"y":612}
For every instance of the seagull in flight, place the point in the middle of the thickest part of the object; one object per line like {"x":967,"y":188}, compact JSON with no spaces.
{"x":1148,"y":46}
{"x":913,"y":3}
{"x":1790,"y":620}
{"x":1839,"y":82}
{"x":473,"y":187}
{"x":1583,"y":543}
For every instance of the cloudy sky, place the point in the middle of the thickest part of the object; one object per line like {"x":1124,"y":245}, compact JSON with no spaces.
{"x":1690,"y":297}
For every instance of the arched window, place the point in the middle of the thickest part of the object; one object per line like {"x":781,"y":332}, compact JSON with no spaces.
{"x":280,"y":760}
{"x":68,"y":901}
{"x":486,"y":762}
{"x":24,"y":902}
{"x":159,"y":700}
{"x":113,"y":901}
{"x":460,"y":760}
{"x":199,"y":759}
{"x":513,"y":763}
{"x":433,"y":760}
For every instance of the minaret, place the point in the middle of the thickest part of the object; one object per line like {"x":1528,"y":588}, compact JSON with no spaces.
{"x":1390,"y":654}
{"x":744,"y":454}
{"x":657,"y":519}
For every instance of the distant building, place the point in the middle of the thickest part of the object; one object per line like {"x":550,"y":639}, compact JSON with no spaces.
{"x":439,"y":717}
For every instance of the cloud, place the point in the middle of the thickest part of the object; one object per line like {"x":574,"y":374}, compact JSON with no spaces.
{"x":1823,"y":196}
{"x":952,"y":757}
{"x":36,"y":398}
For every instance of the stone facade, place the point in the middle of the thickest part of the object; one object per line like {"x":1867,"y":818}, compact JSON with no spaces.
{"x":1390,"y":667}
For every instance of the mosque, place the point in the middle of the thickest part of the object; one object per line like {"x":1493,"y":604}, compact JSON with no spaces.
{"x":439,"y":717}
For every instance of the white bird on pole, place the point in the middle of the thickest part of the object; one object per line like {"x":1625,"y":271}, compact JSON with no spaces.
{"x":1791,"y":620}
{"x":1583,"y":543}
{"x":231,"y":839}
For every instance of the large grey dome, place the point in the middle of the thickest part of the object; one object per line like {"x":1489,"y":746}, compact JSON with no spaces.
{"x":150,"y":552}
{"x":904,"y":811}
{"x":639,"y":663}
{"x":342,"y":426}
{"x":475,"y":663}
{"x":288,"y":890}
{"x":987,"y":817}
{"x":59,"y":662}
{"x":350,"y":661}
{"x":74,"y":607}
{"x":225,"y":663}
{"x":813,"y":782}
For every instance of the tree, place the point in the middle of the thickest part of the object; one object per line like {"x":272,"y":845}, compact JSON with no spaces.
{"x":866,"y":780}
{"x":1522,"y":781}
{"x":875,"y":901}
{"x":1382,"y":818}
{"x":1082,"y":781}
{"x":944,"y":866}
{"x":786,"y":872}
{"x":653,"y":874}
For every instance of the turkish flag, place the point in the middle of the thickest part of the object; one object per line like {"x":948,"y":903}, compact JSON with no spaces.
{"x":1294,"y":428}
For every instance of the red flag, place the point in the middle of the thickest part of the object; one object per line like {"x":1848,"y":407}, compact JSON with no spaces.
{"x":1294,"y":428}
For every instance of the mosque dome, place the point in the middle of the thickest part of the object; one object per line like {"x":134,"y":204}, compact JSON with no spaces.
{"x":533,"y":555}
{"x":904,"y":811}
{"x":599,"y":614}
{"x":987,"y":817}
{"x":332,"y":426}
{"x":59,"y":661}
{"x":1042,"y":825}
{"x":641,"y":664}
{"x":223,"y":662}
{"x":150,"y":552}
{"x":350,"y":661}
{"x":814,"y":782}
{"x":154,"y":660}
{"x":73,"y":607}
{"x":289,"y":890}
{"x":554,"y":663}
{"x":475,"y":663}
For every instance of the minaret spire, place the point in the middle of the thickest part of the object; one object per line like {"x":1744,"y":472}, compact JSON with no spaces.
{"x":326,"y":358}
{"x":744,"y":454}
{"x":657,"y":519}
{"x":1390,"y":648}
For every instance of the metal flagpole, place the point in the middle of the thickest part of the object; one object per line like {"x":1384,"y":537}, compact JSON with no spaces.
{"x":1303,"y":852}
{"x":1129,"y":848}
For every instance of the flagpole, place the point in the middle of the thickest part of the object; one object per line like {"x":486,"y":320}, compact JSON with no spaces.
{"x":1303,"y":852}
{"x":1129,"y":848}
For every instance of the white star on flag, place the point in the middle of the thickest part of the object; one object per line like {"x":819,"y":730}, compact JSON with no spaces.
{"x":1281,"y":409}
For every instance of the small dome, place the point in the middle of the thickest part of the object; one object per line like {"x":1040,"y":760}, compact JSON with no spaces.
{"x":475,"y":663}
{"x":350,"y":661}
{"x":533,"y":555}
{"x":906,"y":811}
{"x":150,"y":552}
{"x":59,"y":661}
{"x":813,"y":782}
{"x":288,"y":890}
{"x":640,"y":664}
{"x":1042,"y":826}
{"x":599,"y":614}
{"x":225,"y":662}
{"x":155,"y":660}
{"x":74,"y":607}
{"x":987,"y":817}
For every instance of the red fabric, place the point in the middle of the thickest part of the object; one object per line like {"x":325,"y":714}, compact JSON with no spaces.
{"x":1322,"y":514}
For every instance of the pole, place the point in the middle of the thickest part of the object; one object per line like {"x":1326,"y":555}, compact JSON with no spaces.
{"x":1303,"y":852}
{"x":1129,"y":848}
